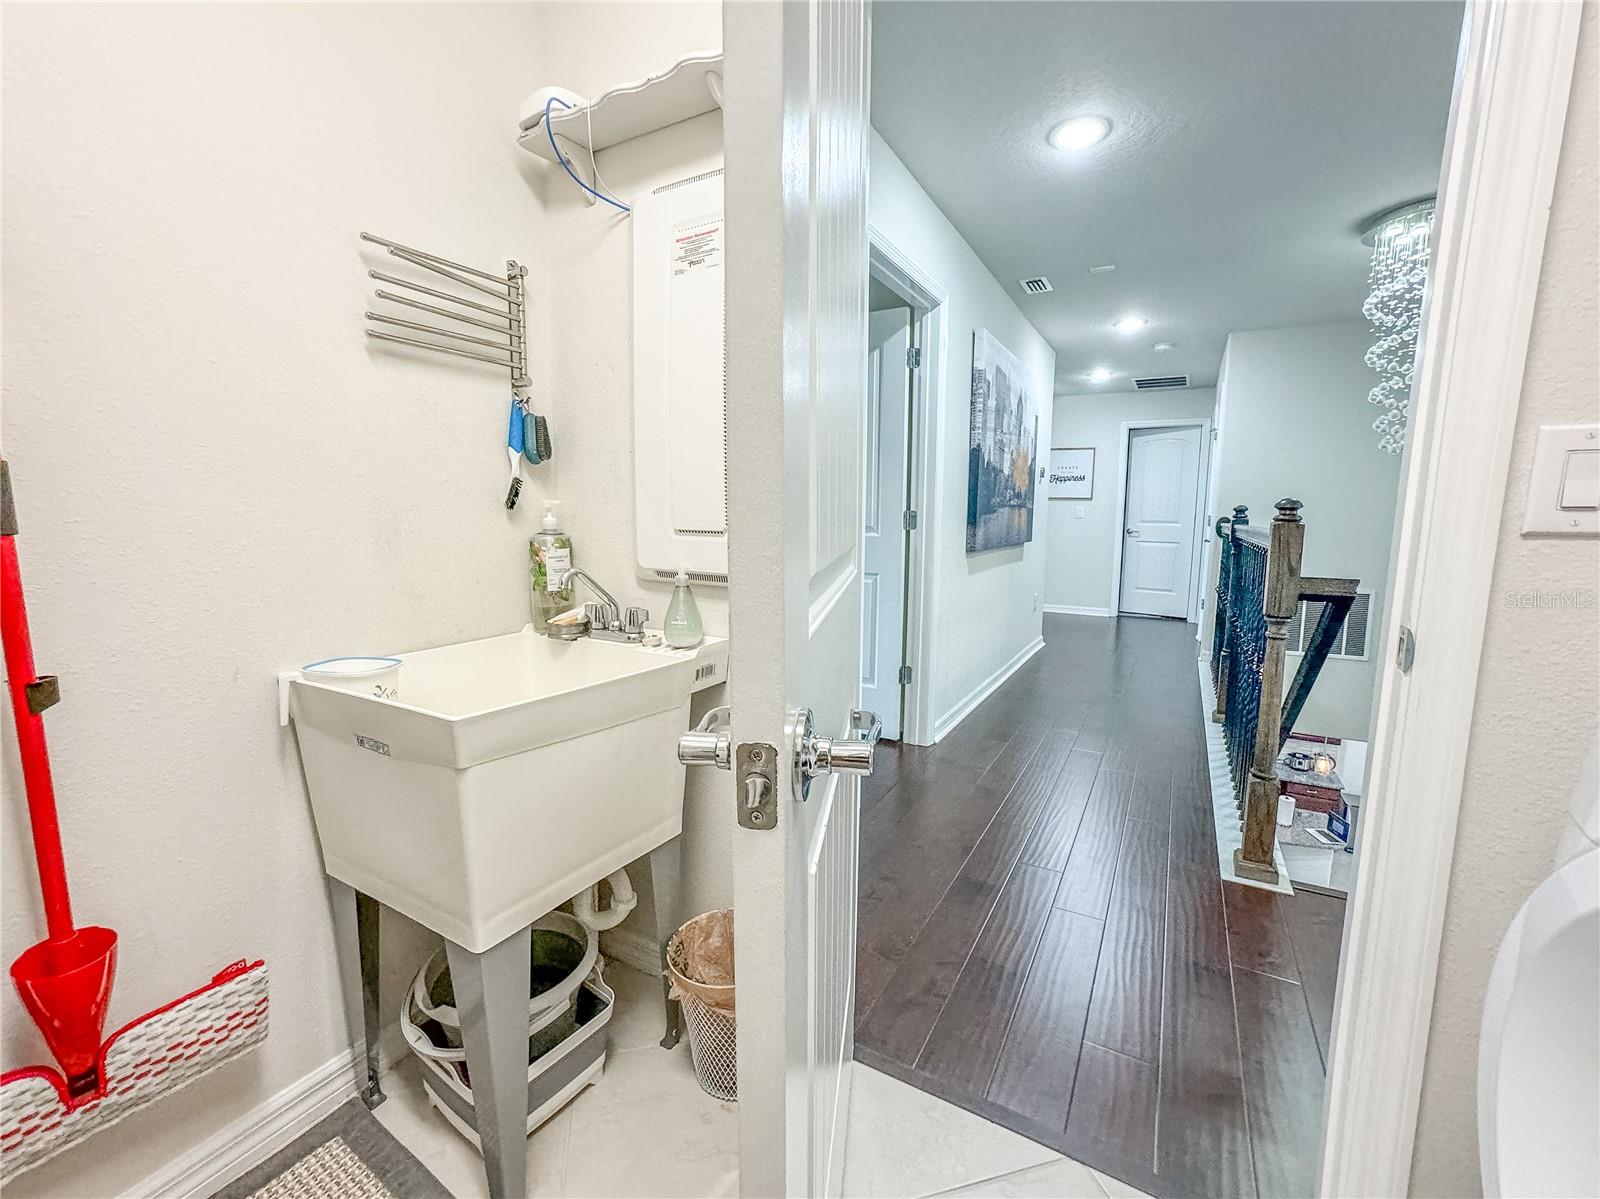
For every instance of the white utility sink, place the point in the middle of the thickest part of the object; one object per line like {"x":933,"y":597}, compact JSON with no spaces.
{"x":511,"y":774}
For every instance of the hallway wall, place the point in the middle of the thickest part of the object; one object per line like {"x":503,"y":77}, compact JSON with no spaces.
{"x":1078,"y":573}
{"x":986,"y":609}
{"x":1294,"y":422}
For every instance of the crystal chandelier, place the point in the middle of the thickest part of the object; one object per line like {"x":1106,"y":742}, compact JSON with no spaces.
{"x":1399,"y":240}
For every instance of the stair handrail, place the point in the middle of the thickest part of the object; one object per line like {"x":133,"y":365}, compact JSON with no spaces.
{"x":1275,"y":710}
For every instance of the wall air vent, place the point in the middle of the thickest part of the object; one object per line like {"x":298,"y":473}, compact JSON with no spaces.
{"x":1160,"y":382}
{"x":1352,"y":639}
{"x":1036,"y":286}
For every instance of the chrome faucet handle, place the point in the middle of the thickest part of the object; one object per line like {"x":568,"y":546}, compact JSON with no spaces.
{"x":633,"y":621}
{"x":708,"y":744}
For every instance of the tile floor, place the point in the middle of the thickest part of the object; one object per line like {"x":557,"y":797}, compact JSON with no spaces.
{"x":646,"y":1129}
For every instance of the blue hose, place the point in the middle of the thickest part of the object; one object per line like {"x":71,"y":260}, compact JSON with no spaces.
{"x":562,"y":159}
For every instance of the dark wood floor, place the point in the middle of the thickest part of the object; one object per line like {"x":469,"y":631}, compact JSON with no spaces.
{"x":1044,"y":939}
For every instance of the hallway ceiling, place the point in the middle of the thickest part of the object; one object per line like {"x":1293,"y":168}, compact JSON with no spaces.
{"x":1250,"y":141}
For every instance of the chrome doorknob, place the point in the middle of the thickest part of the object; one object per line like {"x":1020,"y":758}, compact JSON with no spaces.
{"x":708,"y":743}
{"x":1131,"y":532}
{"x":814,"y":755}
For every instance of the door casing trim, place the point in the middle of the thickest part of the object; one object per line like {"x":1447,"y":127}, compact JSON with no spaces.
{"x":1507,"y":120}
{"x":927,"y":298}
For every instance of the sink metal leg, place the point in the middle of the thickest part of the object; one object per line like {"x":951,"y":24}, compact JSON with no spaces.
{"x":673,"y":1007}
{"x":666,"y":886}
{"x":491,"y":991}
{"x":355,"y":935}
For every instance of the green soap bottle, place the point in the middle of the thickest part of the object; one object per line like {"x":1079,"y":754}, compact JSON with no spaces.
{"x":549,"y":560}
{"x":682,"y":628}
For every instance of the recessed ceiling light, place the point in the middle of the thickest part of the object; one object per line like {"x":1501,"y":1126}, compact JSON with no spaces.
{"x":1105,"y":269}
{"x":1161,"y":347}
{"x":1099,"y":374}
{"x":1130,"y":324}
{"x":1079,"y":133}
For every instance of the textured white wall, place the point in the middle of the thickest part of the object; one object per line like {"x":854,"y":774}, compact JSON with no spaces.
{"x":1078,"y":570}
{"x":1296,"y":422}
{"x":219,"y":476}
{"x":1538,"y":700}
{"x":589,"y":283}
{"x":986,"y":607}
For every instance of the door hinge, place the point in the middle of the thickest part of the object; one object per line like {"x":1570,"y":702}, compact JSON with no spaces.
{"x":1405,"y":652}
{"x":914,"y":357}
{"x":908,"y":519}
{"x":905,"y":675}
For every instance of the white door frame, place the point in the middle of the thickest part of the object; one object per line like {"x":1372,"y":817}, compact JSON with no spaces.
{"x":926,"y":296}
{"x":886,"y":544}
{"x":1513,"y":78}
{"x":1196,"y":562}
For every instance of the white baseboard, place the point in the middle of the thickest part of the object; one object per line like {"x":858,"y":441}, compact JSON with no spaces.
{"x":1075,"y":610}
{"x":254,"y":1136}
{"x":946,"y":723}
{"x":631,"y":947}
{"x":1230,"y":836}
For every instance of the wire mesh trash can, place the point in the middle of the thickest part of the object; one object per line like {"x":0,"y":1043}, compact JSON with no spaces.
{"x":700,"y":966}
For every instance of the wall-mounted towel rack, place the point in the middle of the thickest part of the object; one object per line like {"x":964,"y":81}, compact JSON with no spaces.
{"x":506,"y":348}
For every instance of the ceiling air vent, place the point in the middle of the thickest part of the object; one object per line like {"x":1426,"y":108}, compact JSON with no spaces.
{"x":1159,"y":382}
{"x":1036,"y":286}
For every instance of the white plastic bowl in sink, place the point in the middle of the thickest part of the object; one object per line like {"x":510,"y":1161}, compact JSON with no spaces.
{"x":515,"y":772}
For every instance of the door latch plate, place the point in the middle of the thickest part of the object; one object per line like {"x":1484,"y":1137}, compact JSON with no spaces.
{"x":756,"y":785}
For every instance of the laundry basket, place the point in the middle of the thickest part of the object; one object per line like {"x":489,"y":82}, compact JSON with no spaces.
{"x":700,"y":967}
{"x":569,"y":1006}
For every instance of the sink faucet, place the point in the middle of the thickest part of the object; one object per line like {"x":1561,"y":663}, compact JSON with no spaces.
{"x":607,"y":621}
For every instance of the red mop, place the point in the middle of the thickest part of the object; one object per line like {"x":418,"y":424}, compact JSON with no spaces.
{"x":65,"y":980}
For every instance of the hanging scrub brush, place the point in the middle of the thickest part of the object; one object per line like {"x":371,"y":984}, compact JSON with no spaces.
{"x":515,"y":442}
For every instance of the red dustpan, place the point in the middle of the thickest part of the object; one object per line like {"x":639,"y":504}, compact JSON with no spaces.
{"x":65,"y":980}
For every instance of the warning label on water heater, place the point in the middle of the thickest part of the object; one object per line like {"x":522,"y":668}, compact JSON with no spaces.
{"x":697,"y":246}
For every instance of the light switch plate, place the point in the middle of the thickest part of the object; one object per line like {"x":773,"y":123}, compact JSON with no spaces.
{"x":1562,"y":497}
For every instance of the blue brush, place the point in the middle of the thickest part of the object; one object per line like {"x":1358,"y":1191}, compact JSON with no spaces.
{"x":514,"y":444}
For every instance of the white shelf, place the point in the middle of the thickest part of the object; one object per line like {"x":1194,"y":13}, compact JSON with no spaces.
{"x":631,"y":109}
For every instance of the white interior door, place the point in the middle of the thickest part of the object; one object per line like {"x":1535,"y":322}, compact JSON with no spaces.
{"x":1158,"y":528}
{"x":795,"y":138}
{"x":883,"y":498}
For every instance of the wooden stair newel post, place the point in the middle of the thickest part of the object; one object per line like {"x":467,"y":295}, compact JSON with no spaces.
{"x":1222,"y":640}
{"x":1254,"y":859}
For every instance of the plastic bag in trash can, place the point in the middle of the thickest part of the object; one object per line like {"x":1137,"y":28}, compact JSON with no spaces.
{"x":700,"y":960}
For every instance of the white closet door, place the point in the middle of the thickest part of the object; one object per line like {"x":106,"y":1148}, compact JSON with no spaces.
{"x":795,"y":138}
{"x":1159,"y":521}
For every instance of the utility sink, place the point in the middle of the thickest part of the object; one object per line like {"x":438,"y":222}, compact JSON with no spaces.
{"x":510,"y":774}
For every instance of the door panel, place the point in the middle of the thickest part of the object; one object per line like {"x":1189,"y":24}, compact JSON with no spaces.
{"x":795,"y":138}
{"x":831,"y":872}
{"x":1158,"y":535}
{"x":884,"y":500}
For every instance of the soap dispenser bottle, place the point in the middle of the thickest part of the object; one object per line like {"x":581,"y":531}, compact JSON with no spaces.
{"x":549,"y":560}
{"x":682,"y":628}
